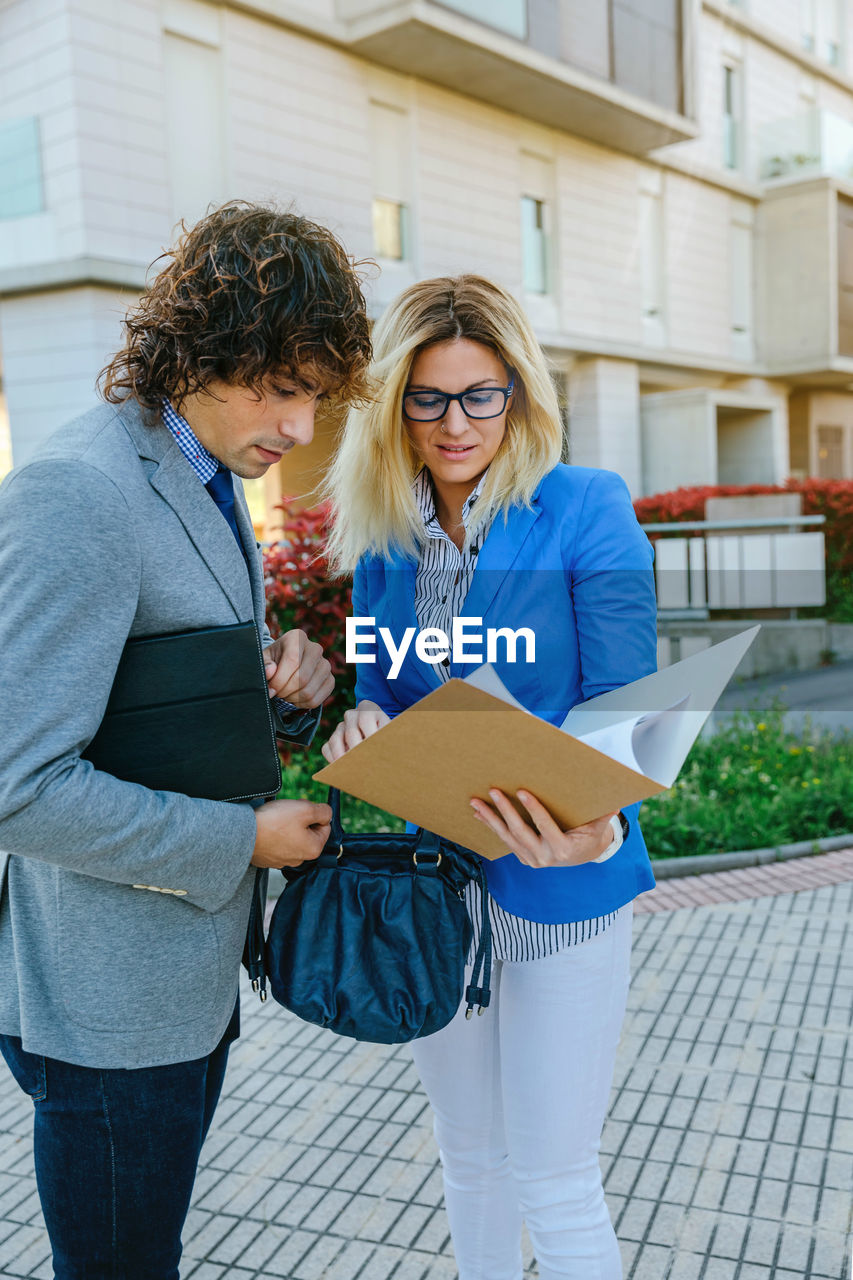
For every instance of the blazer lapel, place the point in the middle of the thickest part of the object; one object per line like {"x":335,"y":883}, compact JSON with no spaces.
{"x":502,"y":547}
{"x":400,"y":575}
{"x":247,"y":533}
{"x":205,"y":526}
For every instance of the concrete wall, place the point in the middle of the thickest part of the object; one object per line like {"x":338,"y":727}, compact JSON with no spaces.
{"x":796,"y":301}
{"x":54,"y":345}
{"x":678,"y":444}
{"x":781,"y":645}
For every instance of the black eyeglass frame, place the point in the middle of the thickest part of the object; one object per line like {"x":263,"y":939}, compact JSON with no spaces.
{"x":460,"y":396}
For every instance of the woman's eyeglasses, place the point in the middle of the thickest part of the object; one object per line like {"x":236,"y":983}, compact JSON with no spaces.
{"x":482,"y":402}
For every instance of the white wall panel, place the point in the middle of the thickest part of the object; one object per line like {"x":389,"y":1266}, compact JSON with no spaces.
{"x":54,"y":346}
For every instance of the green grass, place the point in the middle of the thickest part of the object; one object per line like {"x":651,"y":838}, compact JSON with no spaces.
{"x":750,"y":785}
{"x":754,"y":784}
{"x":297,"y":781}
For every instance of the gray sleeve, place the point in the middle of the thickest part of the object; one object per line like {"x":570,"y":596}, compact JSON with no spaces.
{"x":69,"y":582}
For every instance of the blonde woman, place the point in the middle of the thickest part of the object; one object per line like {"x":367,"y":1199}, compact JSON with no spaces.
{"x":450,"y":500}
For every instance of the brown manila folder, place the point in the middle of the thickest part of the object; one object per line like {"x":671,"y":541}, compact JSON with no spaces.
{"x":470,"y":735}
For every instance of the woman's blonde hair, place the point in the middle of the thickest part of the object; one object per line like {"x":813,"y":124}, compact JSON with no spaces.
{"x":369,"y":483}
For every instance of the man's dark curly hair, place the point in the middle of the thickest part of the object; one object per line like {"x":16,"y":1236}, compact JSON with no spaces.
{"x":247,"y":292}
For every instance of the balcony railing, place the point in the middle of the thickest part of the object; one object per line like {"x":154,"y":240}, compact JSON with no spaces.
{"x":721,"y":567}
{"x":815,"y":143}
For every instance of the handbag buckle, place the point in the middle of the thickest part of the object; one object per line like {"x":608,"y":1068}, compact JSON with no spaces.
{"x":437,"y":862}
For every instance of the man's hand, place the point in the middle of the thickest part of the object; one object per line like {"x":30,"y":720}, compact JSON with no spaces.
{"x":356,"y":725}
{"x":297,"y":671}
{"x":540,"y":842}
{"x":290,"y":832}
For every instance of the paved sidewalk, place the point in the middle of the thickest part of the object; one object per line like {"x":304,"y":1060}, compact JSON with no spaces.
{"x":822,"y":695}
{"x":728,"y":1153}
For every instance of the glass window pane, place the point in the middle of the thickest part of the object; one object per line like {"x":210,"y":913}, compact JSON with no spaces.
{"x":830,"y":452}
{"x":21,"y":191}
{"x":534,"y":245}
{"x":731,"y":117}
{"x":506,"y":15}
{"x":389,"y":229}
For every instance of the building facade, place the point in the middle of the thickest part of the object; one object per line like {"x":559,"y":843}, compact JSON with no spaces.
{"x":666,"y":184}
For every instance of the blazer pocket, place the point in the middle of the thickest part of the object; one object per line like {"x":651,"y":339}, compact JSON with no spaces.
{"x":131,"y":960}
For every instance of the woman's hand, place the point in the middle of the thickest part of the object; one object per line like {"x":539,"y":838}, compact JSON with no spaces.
{"x":543,"y":844}
{"x":356,"y":725}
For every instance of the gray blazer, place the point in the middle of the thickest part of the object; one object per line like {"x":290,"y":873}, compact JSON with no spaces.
{"x":123,"y":911}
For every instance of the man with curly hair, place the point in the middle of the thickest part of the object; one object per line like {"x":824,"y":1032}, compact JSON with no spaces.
{"x":123,"y":910}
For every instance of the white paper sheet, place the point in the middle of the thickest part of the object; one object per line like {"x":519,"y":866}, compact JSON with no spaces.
{"x":651,"y":724}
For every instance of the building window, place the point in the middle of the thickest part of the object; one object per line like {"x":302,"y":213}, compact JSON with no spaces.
{"x":741,"y":281}
{"x":830,"y":453}
{"x":505,"y":15}
{"x":821,"y":27}
{"x":389,"y":230}
{"x":538,"y":191}
{"x":534,"y":243}
{"x":808,"y":25}
{"x":652,"y":259}
{"x":21,"y":191}
{"x":829,"y":32}
{"x":391,"y":170}
{"x":732,"y":115}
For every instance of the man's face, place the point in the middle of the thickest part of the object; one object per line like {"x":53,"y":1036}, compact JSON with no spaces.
{"x":247,"y":431}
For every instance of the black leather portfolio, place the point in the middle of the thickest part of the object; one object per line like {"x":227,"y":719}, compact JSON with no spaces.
{"x":190,"y":712}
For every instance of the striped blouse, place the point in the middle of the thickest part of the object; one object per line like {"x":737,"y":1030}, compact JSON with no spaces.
{"x":443,"y":579}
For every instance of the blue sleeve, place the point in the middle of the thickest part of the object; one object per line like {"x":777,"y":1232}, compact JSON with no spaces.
{"x":370,"y":682}
{"x":612,"y":585}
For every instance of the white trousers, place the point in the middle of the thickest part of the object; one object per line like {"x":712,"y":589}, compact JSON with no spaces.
{"x":519,"y":1097}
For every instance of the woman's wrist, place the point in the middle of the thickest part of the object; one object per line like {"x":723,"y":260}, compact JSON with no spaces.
{"x":619,"y":824}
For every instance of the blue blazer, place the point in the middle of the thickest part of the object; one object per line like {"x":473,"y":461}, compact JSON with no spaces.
{"x":577,"y":569}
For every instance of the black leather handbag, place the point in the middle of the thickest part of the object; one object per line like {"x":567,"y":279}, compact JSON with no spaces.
{"x":371,"y":939}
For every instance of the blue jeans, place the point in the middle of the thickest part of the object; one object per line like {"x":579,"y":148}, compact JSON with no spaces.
{"x":116,"y":1155}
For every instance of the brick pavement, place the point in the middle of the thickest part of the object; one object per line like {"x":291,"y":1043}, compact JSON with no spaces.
{"x":748,"y":882}
{"x":728,"y":1153}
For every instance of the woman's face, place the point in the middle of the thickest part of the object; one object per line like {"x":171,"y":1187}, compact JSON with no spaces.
{"x":457,"y":448}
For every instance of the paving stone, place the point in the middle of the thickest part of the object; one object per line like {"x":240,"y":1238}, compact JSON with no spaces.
{"x":832,"y":1255}
{"x":729,"y":1235}
{"x":733,"y":1096}
{"x":762,"y":1241}
{"x":650,"y":1262}
{"x":633,"y":1222}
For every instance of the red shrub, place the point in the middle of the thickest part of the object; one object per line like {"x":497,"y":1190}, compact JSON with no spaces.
{"x":301,"y":594}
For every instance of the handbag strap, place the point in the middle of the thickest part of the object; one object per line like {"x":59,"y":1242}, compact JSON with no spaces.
{"x":478,"y":991}
{"x":427,"y":843}
{"x":253,"y":950}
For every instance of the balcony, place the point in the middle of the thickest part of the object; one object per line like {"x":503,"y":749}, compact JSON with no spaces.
{"x":595,"y":68}
{"x":813,"y":144}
